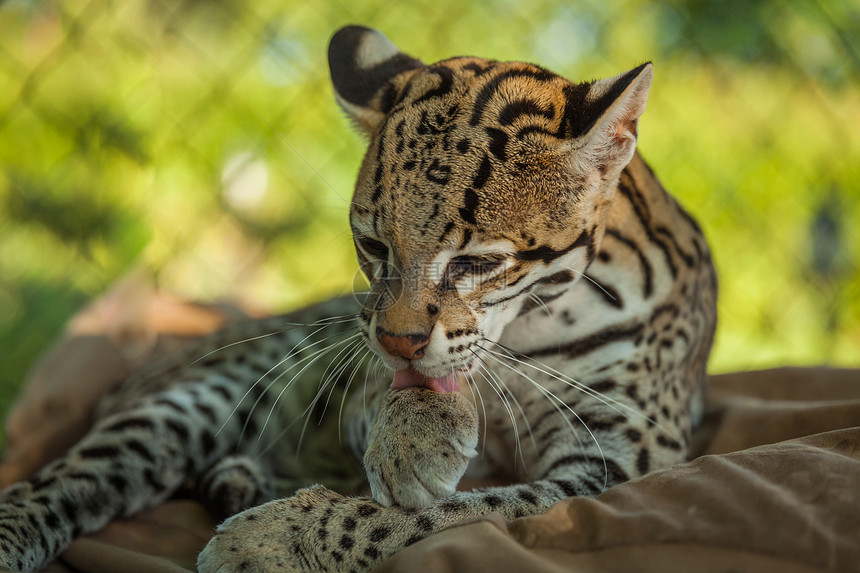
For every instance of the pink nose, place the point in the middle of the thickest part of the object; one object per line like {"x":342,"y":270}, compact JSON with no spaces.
{"x":409,"y":346}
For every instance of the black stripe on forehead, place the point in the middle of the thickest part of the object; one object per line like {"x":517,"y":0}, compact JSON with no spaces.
{"x":483,"y":173}
{"x":477,"y":69}
{"x":446,"y":77}
{"x":498,"y":141}
{"x":489,"y":90}
{"x":449,"y":226}
{"x":524,"y":107}
{"x":470,"y":205}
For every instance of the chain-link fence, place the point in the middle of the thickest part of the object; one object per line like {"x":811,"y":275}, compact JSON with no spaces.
{"x":200,"y":140}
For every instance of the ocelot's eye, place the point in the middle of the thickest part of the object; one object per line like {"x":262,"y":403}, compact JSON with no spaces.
{"x":375,"y":249}
{"x":465,"y":265}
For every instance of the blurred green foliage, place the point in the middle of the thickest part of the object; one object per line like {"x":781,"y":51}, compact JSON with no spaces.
{"x":200,"y":141}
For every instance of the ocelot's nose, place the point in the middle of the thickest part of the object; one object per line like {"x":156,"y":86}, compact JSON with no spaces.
{"x":409,"y":346}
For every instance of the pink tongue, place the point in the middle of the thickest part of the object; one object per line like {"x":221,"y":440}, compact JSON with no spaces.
{"x":408,"y":377}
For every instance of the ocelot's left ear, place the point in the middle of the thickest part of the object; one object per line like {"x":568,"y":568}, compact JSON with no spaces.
{"x":609,"y":119}
{"x":367,"y":72}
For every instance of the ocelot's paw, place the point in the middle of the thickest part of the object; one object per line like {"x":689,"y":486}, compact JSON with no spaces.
{"x":320,"y":530}
{"x":419,"y":447}
{"x":316,"y":529}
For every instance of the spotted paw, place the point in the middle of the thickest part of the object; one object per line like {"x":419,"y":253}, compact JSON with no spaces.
{"x":420,"y":445}
{"x":315,"y":530}
{"x":270,"y":537}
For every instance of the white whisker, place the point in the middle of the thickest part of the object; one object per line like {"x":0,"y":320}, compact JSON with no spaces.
{"x":306,"y":414}
{"x":540,"y":302}
{"x":556,"y":401}
{"x":363,"y":359}
{"x":326,"y":321}
{"x":313,"y":358}
{"x":357,"y":347}
{"x":289,"y":355}
{"x":287,"y":385}
{"x":253,"y":338}
{"x":486,"y":372}
{"x":287,"y":427}
{"x":591,"y":280}
{"x":514,"y":426}
{"x":607,"y":401}
{"x":476,"y":391}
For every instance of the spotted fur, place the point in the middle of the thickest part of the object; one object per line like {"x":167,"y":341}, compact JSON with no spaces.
{"x":519,"y":250}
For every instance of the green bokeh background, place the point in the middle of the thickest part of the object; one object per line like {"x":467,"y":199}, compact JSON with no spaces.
{"x":198,"y":140}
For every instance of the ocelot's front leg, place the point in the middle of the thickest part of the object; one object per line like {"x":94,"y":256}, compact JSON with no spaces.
{"x":318,"y":529}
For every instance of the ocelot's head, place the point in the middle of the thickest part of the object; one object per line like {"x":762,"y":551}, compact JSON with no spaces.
{"x":484,"y":183}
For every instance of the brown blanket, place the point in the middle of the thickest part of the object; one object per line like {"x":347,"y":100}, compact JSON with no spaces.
{"x":774,"y":486}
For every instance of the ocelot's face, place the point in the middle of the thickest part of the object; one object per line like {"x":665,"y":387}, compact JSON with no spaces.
{"x":456,"y":224}
{"x":484,"y":185}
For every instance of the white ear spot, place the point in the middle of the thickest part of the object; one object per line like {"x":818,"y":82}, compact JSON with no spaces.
{"x":374,"y":49}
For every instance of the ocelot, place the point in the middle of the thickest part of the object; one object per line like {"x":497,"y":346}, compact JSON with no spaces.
{"x":546,"y":309}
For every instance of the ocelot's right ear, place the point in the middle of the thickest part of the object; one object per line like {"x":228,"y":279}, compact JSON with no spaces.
{"x":367,"y":72}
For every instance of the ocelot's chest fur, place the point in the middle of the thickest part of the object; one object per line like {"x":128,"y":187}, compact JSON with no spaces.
{"x":540,"y":310}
